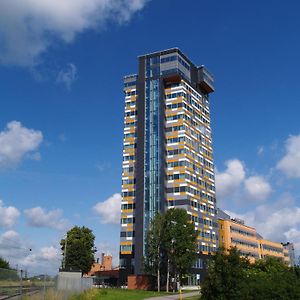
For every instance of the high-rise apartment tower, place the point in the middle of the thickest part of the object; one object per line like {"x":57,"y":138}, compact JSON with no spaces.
{"x":168,"y":154}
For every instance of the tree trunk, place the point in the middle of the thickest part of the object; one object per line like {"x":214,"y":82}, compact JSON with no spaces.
{"x":158,"y":280}
{"x":168,"y":275}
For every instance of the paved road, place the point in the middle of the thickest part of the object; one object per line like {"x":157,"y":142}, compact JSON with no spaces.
{"x":175,"y":296}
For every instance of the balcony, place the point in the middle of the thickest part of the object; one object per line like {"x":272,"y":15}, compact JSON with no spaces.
{"x":206,"y":80}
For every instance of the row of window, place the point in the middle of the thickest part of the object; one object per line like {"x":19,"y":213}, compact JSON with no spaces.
{"x":203,"y":221}
{"x":271,"y":248}
{"x":195,"y":123}
{"x":127,"y":220}
{"x":128,"y":206}
{"x":128,"y":194}
{"x":130,"y":135}
{"x":203,"y":207}
{"x":207,"y":248}
{"x":244,"y":243}
{"x":132,"y":93}
{"x":128,"y":157}
{"x":175,"y":95}
{"x":129,"y":181}
{"x":190,"y":131}
{"x":130,"y":146}
{"x":130,"y":123}
{"x":252,"y":254}
{"x":194,"y":103}
{"x":204,"y":100}
{"x":131,"y":113}
{"x":125,"y":248}
{"x":131,"y":83}
{"x":192,"y":154}
{"x":128,"y":169}
{"x":240,"y":231}
{"x":208,"y":235}
{"x":127,"y":234}
{"x":175,"y":58}
{"x":192,"y":166}
{"x":129,"y":104}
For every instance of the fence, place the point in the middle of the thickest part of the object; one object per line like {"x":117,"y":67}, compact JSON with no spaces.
{"x":20,"y":284}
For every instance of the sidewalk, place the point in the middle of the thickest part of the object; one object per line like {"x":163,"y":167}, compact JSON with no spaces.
{"x":175,"y":296}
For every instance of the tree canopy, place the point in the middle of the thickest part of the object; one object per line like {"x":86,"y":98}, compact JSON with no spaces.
{"x":170,"y":246}
{"x":80,"y":249}
{"x":231,"y":276}
{"x":4,"y":264}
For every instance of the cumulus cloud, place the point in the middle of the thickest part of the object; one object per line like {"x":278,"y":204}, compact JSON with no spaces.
{"x":257,"y":188}
{"x":109,"y":210}
{"x":235,"y":183}
{"x":228,"y":182}
{"x":12,"y":247}
{"x":21,"y":252}
{"x":29,"y":27}
{"x":8,"y":215}
{"x":44,"y":255}
{"x":18,"y":142}
{"x":38,"y":217}
{"x":67,"y":76}
{"x":290,"y":163}
{"x":279,"y":221}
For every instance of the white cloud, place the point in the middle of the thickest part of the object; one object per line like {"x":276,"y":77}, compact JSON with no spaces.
{"x":109,"y":210}
{"x":290,"y":163}
{"x":279,"y":221}
{"x":12,"y":247}
{"x":38,"y":217}
{"x":67,"y":76}
{"x":16,"y":142}
{"x":8,"y":215}
{"x":29,"y":27}
{"x":20,"y":251}
{"x":257,"y":188}
{"x":228,"y":182}
{"x":45,"y":254}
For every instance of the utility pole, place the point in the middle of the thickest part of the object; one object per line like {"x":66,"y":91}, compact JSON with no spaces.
{"x":65,"y":251}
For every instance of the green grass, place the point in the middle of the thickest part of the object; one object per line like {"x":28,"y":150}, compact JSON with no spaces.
{"x":193,"y":298}
{"x":113,"y":294}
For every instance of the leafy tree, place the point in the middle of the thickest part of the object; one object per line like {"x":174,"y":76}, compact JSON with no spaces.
{"x":227,"y":272}
{"x":171,"y":246}
{"x":153,"y":260}
{"x":4,"y":264}
{"x":180,"y":243}
{"x":231,"y":276}
{"x":80,"y":249}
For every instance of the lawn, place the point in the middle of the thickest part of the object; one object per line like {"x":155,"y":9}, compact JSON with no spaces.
{"x":113,"y":294}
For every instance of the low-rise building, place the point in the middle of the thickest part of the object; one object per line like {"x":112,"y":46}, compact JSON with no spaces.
{"x":234,"y":233}
{"x":104,"y":265}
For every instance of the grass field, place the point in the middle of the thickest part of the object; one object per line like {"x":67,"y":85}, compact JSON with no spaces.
{"x":114,"y":294}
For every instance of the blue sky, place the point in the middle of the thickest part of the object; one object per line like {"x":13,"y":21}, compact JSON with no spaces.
{"x":61,"y":120}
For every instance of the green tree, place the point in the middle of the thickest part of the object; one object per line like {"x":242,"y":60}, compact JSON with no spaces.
{"x":171,"y":246}
{"x":180,"y":243}
{"x":154,"y":251}
{"x":78,"y":249}
{"x":227,"y":273}
{"x":4,"y":264}
{"x":231,"y":277}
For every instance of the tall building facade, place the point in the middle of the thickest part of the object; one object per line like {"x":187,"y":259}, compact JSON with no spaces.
{"x":167,"y":154}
